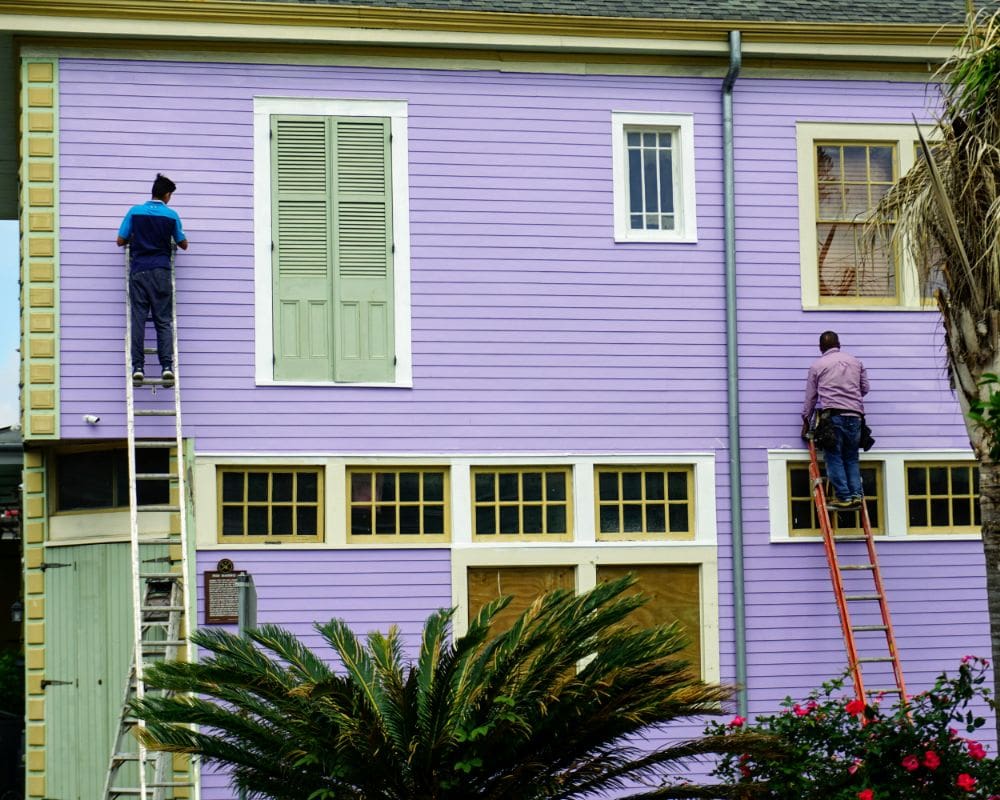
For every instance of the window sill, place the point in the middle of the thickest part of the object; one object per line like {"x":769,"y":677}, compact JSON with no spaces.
{"x":864,"y":307}
{"x":654,"y":237}
{"x":332,"y":384}
{"x":882,"y":538}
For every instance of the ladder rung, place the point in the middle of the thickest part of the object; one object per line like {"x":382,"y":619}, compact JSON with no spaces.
{"x":158,"y":540}
{"x":155,"y":412}
{"x":887,"y":690}
{"x":857,"y":566}
{"x":158,"y":508}
{"x":154,"y":382}
{"x":862,"y":597}
{"x":875,"y":660}
{"x":149,"y":351}
{"x":161,"y":608}
{"x":155,"y":476}
{"x":157,"y":444}
{"x":850,"y":537}
{"x":162,"y":643}
{"x":125,"y":757}
{"x":870,"y":628}
{"x":162,"y":577}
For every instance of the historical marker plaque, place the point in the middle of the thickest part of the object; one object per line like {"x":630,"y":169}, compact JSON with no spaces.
{"x":222,"y":599}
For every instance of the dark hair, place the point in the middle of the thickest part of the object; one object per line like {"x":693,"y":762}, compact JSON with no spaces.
{"x":828,"y":339}
{"x":163,"y":186}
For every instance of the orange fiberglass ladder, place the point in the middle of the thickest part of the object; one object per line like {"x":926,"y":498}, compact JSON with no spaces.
{"x":850,"y":595}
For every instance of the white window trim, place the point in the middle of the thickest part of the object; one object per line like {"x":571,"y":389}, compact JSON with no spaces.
{"x":904,"y":136}
{"x":396,"y":111}
{"x":893,"y":503}
{"x":685,"y":215}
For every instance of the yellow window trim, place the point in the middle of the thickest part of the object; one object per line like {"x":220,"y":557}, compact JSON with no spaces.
{"x":294,"y":504}
{"x":544,"y":503}
{"x":972,"y":497}
{"x":644,"y":535}
{"x":398,"y":538}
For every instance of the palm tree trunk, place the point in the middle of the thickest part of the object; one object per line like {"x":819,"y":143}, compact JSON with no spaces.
{"x":989,"y":500}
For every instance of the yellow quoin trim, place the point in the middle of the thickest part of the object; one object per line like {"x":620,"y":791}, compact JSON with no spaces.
{"x":39,"y":250}
{"x":35,"y":525}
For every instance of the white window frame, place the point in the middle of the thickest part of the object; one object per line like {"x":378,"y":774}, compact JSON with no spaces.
{"x":904,"y":137}
{"x":396,"y":112}
{"x":896,"y":526}
{"x":685,"y":216}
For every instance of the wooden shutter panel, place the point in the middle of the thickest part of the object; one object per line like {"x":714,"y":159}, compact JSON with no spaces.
{"x":362,"y":236}
{"x":302,"y":248}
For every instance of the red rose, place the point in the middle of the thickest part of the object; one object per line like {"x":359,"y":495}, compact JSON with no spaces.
{"x":966,"y":781}
{"x":976,"y":750}
{"x":931,"y":760}
{"x":911,"y":763}
{"x":866,"y":794}
{"x":855,"y":707}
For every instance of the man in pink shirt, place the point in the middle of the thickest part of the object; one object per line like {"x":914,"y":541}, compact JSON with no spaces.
{"x":836,"y":383}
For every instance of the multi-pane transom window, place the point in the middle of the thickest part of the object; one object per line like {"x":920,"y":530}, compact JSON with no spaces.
{"x":645,"y":502}
{"x":942,"y":498}
{"x":522,"y":503}
{"x":397,"y":502}
{"x":650,"y":155}
{"x":851,"y":177}
{"x":802,"y":518}
{"x":273,"y":503}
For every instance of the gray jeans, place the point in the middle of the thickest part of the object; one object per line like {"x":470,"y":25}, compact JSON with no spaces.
{"x":149,"y":293}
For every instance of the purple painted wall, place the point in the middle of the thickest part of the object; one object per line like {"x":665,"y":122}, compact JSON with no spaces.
{"x":532,"y":330}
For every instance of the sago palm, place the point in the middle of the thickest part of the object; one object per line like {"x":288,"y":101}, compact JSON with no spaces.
{"x":553,"y":707}
{"x":945,"y":213}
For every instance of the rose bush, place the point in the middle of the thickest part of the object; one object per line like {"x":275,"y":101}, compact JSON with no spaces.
{"x":835,"y":748}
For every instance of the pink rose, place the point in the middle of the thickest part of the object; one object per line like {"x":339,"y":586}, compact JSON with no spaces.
{"x":799,"y":710}
{"x":737,"y":721}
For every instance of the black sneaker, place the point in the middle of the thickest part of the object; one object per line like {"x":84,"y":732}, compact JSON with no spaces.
{"x":137,"y":376}
{"x":168,"y":377}
{"x":842,"y":504}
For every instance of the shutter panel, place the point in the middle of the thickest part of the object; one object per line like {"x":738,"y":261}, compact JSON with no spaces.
{"x":302,"y":247}
{"x":362,"y":236}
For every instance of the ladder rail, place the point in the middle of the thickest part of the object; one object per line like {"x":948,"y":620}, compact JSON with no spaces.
{"x":854,"y":660}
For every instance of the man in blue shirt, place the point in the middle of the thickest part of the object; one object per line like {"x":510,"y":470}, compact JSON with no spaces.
{"x":150,"y":230}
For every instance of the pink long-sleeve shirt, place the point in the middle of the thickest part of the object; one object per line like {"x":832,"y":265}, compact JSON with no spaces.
{"x":835,"y":380}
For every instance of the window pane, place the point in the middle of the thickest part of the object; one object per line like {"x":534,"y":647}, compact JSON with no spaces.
{"x":409,"y":487}
{"x":257,"y":520}
{"x":938,"y":480}
{"x":531,"y":486}
{"x":633,"y":138}
{"x":433,"y":519}
{"x":632,"y":486}
{"x":916,"y":480}
{"x":308,"y":486}
{"x":609,"y":519}
{"x":961,"y":512}
{"x":918,"y":513}
{"x":433,"y":486}
{"x":828,"y":162}
{"x":939,"y":512}
{"x":802,"y":518}
{"x":484,"y":488}
{"x":232,"y":487}
{"x":655,"y":519}
{"x":86,"y":480}
{"x":485,"y":521}
{"x":232,"y":520}
{"x":632,"y":517}
{"x":555,"y":486}
{"x":257,"y":483}
{"x":679,"y":518}
{"x":385,"y":519}
{"x":281,"y":520}
{"x":361,"y":521}
{"x":960,"y":480}
{"x":677,"y":486}
{"x":798,"y":482}
{"x":508,"y":486}
{"x":666,"y":181}
{"x":635,"y":183}
{"x":880,"y":160}
{"x":281,"y":487}
{"x":385,"y":486}
{"x":855,"y":163}
{"x":648,"y":139}
{"x":607,"y":486}
{"x":361,"y":487}
{"x":555,"y":519}
{"x":532,"y":519}
{"x":305,"y":518}
{"x":509,"y":519}
{"x":409,"y":520}
{"x":651,"y":193}
{"x":654,"y":486}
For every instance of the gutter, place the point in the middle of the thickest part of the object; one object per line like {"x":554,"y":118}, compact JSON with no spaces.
{"x":732,"y":371}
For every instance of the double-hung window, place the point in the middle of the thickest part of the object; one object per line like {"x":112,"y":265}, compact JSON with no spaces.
{"x":332,"y":273}
{"x":843,"y":171}
{"x":653,"y":171}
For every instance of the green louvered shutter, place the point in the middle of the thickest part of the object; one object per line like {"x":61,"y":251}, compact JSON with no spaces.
{"x":303,"y":247}
{"x":362,"y":236}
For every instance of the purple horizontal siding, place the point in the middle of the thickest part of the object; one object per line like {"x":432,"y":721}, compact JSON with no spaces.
{"x":935,"y":588}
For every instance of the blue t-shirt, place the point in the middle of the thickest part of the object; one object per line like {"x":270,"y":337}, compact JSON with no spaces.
{"x":150,"y":230}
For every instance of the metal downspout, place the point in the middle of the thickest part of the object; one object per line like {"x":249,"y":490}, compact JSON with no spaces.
{"x":732,"y":372}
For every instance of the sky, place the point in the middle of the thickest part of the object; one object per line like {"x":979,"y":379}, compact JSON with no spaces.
{"x":9,"y":312}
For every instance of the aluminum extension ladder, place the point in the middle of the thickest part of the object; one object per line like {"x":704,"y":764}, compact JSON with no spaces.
{"x":854,"y":599}
{"x":161,"y":580}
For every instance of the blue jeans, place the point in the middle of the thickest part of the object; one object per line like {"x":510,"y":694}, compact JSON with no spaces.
{"x":842,"y":465}
{"x":150,"y":293}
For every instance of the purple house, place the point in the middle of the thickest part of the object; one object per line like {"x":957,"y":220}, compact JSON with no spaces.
{"x":478,"y":301}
